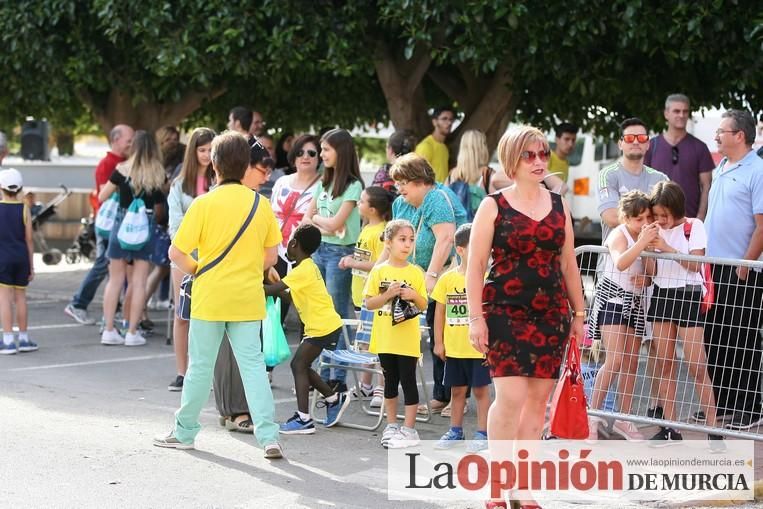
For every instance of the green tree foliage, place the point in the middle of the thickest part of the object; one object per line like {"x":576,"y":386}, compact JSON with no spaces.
{"x":309,"y":64}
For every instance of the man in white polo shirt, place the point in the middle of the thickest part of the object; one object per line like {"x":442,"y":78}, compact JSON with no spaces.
{"x":734,"y":228}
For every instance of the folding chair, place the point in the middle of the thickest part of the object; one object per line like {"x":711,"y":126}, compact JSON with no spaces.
{"x":357,"y":361}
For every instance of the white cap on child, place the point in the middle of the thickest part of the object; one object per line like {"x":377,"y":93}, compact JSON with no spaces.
{"x":10,"y":180}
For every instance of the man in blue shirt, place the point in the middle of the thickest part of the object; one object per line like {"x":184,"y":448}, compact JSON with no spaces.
{"x":735,"y":230}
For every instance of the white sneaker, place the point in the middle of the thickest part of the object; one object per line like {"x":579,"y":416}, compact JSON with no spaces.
{"x":377,"y":400}
{"x":389,"y":431}
{"x":405,"y":437}
{"x":111,"y":337}
{"x":628,"y":431}
{"x":79,"y":315}
{"x":593,"y":429}
{"x":162,"y":305}
{"x":134,"y":339}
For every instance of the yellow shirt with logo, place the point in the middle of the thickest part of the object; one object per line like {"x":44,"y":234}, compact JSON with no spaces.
{"x":404,"y":338}
{"x":436,"y":154}
{"x":560,"y":166}
{"x":231,"y":291}
{"x":369,"y":247}
{"x":450,"y":291}
{"x":312,"y":299}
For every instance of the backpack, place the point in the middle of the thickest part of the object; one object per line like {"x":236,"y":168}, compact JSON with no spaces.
{"x":107,"y":215}
{"x":708,"y":295}
{"x":135,"y":230}
{"x":470,"y":196}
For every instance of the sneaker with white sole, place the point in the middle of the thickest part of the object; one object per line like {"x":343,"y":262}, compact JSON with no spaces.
{"x":405,"y":437}
{"x":593,"y":428}
{"x":389,"y":431}
{"x":79,"y":315}
{"x":335,"y":410}
{"x":112,"y":337}
{"x":177,"y":384}
{"x":8,"y":349}
{"x":478,"y":442}
{"x":450,"y":439}
{"x":296,"y":426}
{"x":171,"y":442}
{"x":363,"y":393}
{"x":665,"y":437}
{"x":628,"y":431}
{"x":273,"y":451}
{"x":134,"y":339}
{"x":28,"y":345}
{"x":377,"y":400}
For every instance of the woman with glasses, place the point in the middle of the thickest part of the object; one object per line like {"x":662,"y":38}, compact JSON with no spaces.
{"x":292,"y":195}
{"x":532,"y":300}
{"x":435,"y":212}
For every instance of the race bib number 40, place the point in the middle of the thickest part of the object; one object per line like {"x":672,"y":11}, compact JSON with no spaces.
{"x":456,"y":311}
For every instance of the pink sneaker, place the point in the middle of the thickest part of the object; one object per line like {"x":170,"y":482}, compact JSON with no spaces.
{"x":593,"y":429}
{"x":628,"y":431}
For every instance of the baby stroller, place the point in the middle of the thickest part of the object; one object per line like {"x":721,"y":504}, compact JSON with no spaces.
{"x":40,"y":214}
{"x":83,"y":247}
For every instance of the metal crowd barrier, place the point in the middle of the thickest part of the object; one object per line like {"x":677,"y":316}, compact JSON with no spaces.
{"x":715,"y":360}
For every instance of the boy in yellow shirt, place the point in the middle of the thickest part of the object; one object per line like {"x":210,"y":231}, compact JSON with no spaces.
{"x":230,"y":299}
{"x":323,"y":325}
{"x":464,"y":366}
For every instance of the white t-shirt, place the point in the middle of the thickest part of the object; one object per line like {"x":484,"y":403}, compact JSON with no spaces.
{"x":671,"y":274}
{"x":289,"y":206}
{"x":621,"y":277}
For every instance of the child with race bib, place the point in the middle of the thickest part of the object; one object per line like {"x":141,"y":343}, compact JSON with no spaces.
{"x":323,"y":327}
{"x":396,"y":342}
{"x":465,"y":367}
{"x":375,"y":207}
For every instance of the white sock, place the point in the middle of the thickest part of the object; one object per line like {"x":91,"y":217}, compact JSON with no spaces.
{"x":332,"y":398}
{"x":7,"y":338}
{"x":303,"y":416}
{"x":23,"y":336}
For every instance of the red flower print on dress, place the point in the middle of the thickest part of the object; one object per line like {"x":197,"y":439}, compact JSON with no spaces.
{"x":544,"y":366}
{"x":544,"y":233}
{"x":541,"y":302}
{"x":513,"y":287}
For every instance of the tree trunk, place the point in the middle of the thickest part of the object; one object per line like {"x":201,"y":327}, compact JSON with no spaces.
{"x":401,"y":84}
{"x":488,"y":102}
{"x":148,"y":115}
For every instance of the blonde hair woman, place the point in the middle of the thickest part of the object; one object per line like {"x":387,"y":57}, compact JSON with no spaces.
{"x":466,"y":179}
{"x":532,"y":301}
{"x":140,"y":176}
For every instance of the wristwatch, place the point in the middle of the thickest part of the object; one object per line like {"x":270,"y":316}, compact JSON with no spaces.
{"x":433,"y":274}
{"x":580,"y":314}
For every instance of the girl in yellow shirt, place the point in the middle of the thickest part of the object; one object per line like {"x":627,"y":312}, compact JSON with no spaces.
{"x":397,"y":345}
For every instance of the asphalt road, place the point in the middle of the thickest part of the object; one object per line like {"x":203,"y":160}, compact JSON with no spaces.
{"x":77,"y":419}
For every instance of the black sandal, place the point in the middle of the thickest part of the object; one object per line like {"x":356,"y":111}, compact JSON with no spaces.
{"x":243,"y":426}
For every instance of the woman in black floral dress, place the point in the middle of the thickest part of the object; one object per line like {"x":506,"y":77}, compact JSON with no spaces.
{"x":532,"y":300}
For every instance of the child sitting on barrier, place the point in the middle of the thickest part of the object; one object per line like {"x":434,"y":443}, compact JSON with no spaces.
{"x":323,"y":326}
{"x":465,"y":367}
{"x":618,"y":316}
{"x":674,"y":308}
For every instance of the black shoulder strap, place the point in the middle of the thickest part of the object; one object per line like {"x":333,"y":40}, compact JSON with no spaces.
{"x":241,"y":231}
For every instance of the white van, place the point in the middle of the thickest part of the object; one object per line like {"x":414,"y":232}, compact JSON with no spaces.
{"x":591,"y":154}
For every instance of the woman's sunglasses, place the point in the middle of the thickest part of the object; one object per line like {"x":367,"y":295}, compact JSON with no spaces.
{"x":529,"y":155}
{"x":311,"y":153}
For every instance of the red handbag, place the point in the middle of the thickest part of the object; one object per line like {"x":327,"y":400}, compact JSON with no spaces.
{"x":707,"y":278}
{"x":569,"y":416}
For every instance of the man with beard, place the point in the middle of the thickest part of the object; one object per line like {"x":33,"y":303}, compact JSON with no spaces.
{"x":628,"y":173}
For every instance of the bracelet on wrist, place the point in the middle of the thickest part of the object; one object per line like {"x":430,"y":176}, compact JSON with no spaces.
{"x":473,"y":319}
{"x":579,"y":314}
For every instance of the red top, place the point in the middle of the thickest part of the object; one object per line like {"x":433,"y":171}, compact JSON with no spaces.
{"x":103,"y":171}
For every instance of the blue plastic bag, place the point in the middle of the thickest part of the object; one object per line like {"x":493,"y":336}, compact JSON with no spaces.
{"x":274,"y":345}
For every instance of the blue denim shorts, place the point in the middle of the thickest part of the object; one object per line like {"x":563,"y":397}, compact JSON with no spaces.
{"x":115,"y":251}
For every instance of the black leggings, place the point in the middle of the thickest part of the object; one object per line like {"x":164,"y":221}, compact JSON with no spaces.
{"x":400,"y":369}
{"x":304,"y":375}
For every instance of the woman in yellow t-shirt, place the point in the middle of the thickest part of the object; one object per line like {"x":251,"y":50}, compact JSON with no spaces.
{"x":323,"y":328}
{"x":398,"y":344}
